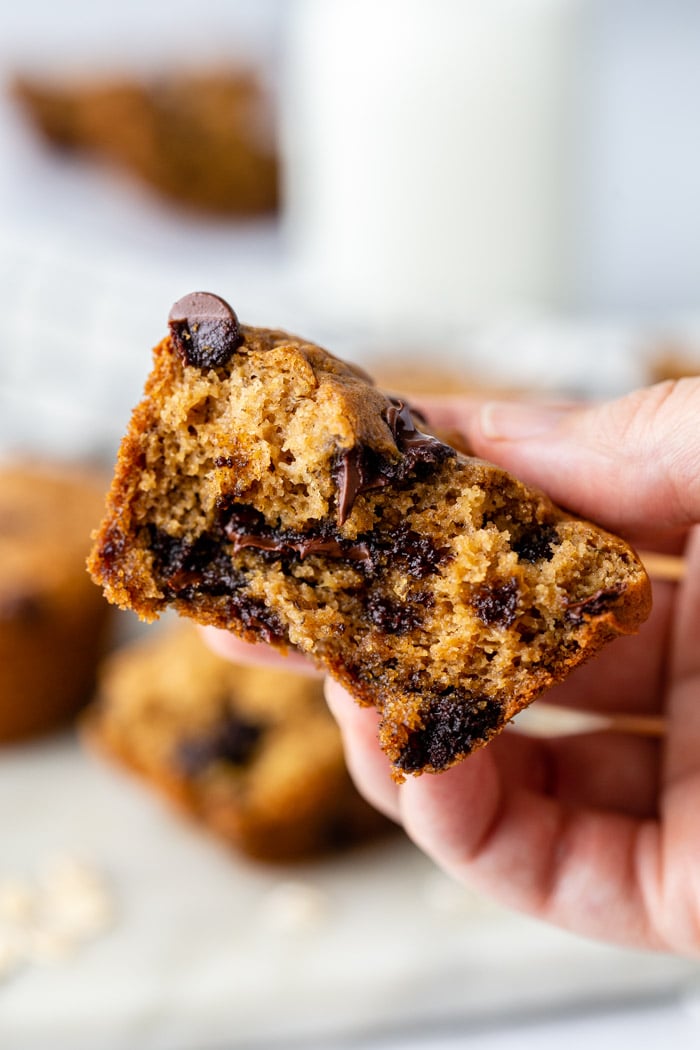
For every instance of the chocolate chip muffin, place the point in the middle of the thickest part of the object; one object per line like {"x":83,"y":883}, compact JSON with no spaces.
{"x":254,"y":754}
{"x":267,"y":487}
{"x":52,"y":621}
{"x":206,"y":140}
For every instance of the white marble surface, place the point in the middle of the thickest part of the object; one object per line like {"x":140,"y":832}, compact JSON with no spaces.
{"x":209,"y":950}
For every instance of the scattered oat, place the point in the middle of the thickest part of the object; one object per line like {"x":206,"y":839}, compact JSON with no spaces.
{"x":17,"y":900}
{"x":48,"y":920}
{"x":294,"y":907}
{"x":10,"y":955}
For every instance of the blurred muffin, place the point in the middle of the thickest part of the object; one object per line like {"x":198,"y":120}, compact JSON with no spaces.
{"x":51,"y":618}
{"x":671,"y":359}
{"x":251,"y":753}
{"x":204,"y":140}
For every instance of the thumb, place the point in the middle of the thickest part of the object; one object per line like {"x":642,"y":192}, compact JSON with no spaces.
{"x":632,"y":464}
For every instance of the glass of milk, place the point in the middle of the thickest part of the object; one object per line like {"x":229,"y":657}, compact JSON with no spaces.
{"x":428,"y":147}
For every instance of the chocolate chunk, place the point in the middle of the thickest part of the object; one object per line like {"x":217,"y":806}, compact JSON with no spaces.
{"x":189,"y":568}
{"x":594,"y":605}
{"x":454,"y":722}
{"x":497,"y":606}
{"x":205,"y":330}
{"x":536,"y":543}
{"x":413,"y":552}
{"x":256,"y":616}
{"x":232,"y":740}
{"x":393,"y":617}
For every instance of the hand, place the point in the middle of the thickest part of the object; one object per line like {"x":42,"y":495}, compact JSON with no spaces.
{"x":597,"y":833}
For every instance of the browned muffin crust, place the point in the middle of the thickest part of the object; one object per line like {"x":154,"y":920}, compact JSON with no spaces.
{"x":52,"y":621}
{"x":253,"y":754}
{"x":267,"y":487}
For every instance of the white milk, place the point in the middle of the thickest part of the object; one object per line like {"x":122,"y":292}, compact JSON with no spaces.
{"x":428,"y":149}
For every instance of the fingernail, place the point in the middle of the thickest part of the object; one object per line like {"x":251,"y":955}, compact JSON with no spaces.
{"x":514,"y":421}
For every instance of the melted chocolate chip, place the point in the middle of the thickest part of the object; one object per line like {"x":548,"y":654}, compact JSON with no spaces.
{"x":594,"y":605}
{"x":361,"y":468}
{"x":536,"y":543}
{"x":192,"y":568}
{"x":233,"y":740}
{"x":399,"y":418}
{"x":497,"y":606}
{"x":453,"y":724}
{"x":205,"y":330}
{"x":352,"y":477}
{"x":245,"y":527}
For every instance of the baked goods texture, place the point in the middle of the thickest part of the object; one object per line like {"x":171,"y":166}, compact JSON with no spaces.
{"x":254,"y":754}
{"x":267,"y":487}
{"x":52,"y":621}
{"x":205,"y":140}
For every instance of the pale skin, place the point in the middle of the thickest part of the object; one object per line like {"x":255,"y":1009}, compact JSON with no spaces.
{"x":599,"y":833}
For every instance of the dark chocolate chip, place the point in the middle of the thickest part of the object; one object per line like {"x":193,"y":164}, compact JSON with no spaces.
{"x":393,"y":617}
{"x":536,"y":543}
{"x":24,"y":607}
{"x":233,"y":739}
{"x":497,"y":606}
{"x":415,"y":553}
{"x":454,"y":722}
{"x":593,"y":605}
{"x":205,"y":330}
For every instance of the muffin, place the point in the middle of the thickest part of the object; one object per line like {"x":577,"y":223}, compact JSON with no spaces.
{"x":253,"y":754}
{"x":267,"y":487}
{"x":51,"y":621}
{"x":205,"y":140}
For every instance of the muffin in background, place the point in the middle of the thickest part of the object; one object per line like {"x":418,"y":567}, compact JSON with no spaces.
{"x":205,"y":140}
{"x":52,"y":619}
{"x":251,"y":753}
{"x":673,"y":359}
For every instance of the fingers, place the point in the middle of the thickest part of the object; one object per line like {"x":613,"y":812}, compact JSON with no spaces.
{"x":257,"y":655}
{"x":368,"y":765}
{"x":575,"y":867}
{"x":492,"y":822}
{"x":631,"y":464}
{"x":683,"y":753}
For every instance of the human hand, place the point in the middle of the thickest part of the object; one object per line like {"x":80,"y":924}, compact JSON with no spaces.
{"x":597,"y":833}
